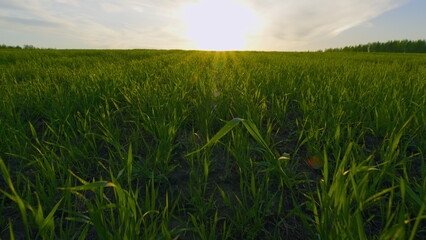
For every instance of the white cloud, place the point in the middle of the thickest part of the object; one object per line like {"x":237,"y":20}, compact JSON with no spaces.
{"x":157,"y":24}
{"x":109,"y":7}
{"x":106,"y":24}
{"x":71,"y":2}
{"x":294,"y":23}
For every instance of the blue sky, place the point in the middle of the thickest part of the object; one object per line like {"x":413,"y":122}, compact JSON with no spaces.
{"x":272,"y":25}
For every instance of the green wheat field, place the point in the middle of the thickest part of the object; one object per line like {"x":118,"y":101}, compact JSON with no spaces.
{"x":152,"y":144}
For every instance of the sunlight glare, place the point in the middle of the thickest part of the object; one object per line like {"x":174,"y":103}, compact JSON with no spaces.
{"x":219,"y":24}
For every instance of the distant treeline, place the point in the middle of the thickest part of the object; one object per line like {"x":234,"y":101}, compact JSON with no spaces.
{"x":400,"y":46}
{"x":3,"y":46}
{"x":403,"y":46}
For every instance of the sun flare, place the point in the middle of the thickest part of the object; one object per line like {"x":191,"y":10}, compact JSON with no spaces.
{"x":219,"y":24}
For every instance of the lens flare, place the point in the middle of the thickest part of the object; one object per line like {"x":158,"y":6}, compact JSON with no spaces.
{"x":315,"y":162}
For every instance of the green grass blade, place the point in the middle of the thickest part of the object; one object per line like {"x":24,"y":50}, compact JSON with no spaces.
{"x":221,"y":133}
{"x":89,"y":186}
{"x":49,"y":222}
{"x":22,"y":205}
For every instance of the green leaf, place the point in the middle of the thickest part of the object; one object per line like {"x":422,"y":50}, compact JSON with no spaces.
{"x":222,"y":132}
{"x":255,"y":133}
{"x":49,"y":221}
{"x":90,"y":186}
{"x":22,"y":205}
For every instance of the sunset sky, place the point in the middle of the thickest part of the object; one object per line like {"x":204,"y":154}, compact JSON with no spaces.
{"x":271,"y":25}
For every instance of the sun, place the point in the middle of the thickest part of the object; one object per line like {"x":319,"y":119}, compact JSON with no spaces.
{"x":219,"y":24}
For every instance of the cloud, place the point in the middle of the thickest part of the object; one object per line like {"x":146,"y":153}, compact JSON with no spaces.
{"x":28,"y":22}
{"x":297,"y":22}
{"x":158,"y":24}
{"x":106,"y":24}
{"x":109,"y":7}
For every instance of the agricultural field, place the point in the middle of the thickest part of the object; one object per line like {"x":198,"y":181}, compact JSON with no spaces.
{"x":150,"y":144}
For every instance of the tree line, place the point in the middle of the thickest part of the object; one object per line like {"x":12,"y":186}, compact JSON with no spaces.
{"x":4,"y":46}
{"x":399,"y":46}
